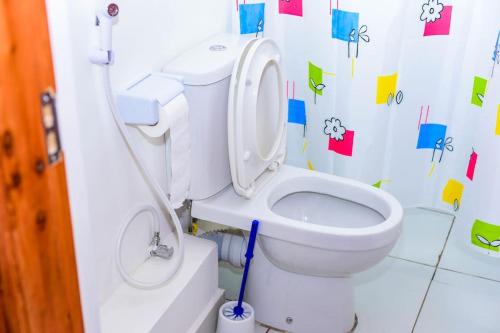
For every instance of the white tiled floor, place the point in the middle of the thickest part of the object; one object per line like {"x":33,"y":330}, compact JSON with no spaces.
{"x":407,"y":292}
{"x":457,"y":257}
{"x":402,"y":294}
{"x":460,"y":303}
{"x":423,"y":237}
{"x":263,"y":329}
{"x":392,"y":287}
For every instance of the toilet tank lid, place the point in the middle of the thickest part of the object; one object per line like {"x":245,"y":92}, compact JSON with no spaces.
{"x":209,"y":61}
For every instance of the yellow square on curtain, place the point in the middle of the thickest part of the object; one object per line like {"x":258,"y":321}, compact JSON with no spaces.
{"x":453,"y":191}
{"x":386,"y":85}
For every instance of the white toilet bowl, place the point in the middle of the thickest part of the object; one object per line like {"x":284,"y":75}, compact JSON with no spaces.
{"x":335,"y":226}
{"x":315,"y":229}
{"x":313,"y":223}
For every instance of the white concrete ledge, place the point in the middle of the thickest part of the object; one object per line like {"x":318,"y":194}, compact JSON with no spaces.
{"x":174,"y":307}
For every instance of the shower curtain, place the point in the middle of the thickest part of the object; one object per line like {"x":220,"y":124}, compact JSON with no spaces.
{"x":402,"y":95}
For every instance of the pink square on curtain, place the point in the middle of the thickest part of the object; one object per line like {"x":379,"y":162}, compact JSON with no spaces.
{"x":291,"y":7}
{"x":343,"y":147}
{"x":441,"y":26}
{"x":471,"y":168}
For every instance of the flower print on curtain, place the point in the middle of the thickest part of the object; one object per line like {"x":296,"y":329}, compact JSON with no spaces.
{"x":341,"y":140}
{"x":435,"y":146}
{"x":437,"y":18}
{"x":431,"y":11}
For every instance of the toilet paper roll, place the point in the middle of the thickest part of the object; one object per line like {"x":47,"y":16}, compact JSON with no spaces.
{"x":174,"y":117}
{"x":166,"y":112}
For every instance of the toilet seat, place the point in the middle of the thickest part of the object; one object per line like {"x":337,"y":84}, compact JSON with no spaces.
{"x":261,"y":177}
{"x":256,"y":142}
{"x":229,"y":208}
{"x":256,"y":117}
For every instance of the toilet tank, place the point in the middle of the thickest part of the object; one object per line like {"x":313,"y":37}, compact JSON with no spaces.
{"x":206,"y":73}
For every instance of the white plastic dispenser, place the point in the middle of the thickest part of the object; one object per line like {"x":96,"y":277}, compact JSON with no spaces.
{"x":140,"y":103}
{"x":156,"y":104}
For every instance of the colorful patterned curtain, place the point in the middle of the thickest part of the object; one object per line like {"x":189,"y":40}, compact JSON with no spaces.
{"x":403,"y":95}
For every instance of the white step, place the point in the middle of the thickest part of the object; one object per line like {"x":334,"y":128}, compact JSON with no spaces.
{"x":192,"y":296}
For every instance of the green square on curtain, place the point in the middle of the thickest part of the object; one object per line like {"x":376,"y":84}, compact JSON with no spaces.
{"x":478,"y":91}
{"x":315,"y":78}
{"x":486,"y":235}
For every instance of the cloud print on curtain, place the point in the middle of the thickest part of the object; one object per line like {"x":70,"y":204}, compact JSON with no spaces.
{"x":412,"y":90}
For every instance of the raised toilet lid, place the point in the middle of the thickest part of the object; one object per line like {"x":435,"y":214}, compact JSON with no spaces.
{"x":256,"y":116}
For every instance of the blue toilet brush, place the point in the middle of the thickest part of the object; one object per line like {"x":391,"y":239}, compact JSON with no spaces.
{"x":238,"y":312}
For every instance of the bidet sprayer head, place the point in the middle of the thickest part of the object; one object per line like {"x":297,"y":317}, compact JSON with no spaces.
{"x":113,"y":9}
{"x":103,"y":54}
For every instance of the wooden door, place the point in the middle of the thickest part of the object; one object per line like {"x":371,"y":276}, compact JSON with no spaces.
{"x":38,"y":279}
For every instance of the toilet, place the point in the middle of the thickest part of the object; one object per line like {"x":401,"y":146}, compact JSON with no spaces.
{"x":316,"y":229}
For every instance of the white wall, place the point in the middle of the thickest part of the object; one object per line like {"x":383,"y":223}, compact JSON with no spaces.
{"x":104,"y":182}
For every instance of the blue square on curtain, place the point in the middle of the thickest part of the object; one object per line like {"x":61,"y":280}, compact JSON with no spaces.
{"x":342,"y":24}
{"x":429,"y":134}
{"x":296,"y":111}
{"x":251,"y":18}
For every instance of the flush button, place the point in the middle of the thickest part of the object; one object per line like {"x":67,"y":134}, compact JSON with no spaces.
{"x":217,"y":48}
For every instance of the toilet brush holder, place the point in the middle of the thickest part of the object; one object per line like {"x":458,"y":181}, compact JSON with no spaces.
{"x":228,"y":322}
{"x":239,"y":317}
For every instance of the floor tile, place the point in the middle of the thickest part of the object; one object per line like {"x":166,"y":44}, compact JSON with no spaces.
{"x":388,"y":296}
{"x":260,"y":329}
{"x":460,"y":303}
{"x":459,"y":257}
{"x":263,"y":329}
{"x":423,"y":237}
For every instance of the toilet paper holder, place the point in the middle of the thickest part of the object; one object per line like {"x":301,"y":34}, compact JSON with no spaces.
{"x":140,"y":103}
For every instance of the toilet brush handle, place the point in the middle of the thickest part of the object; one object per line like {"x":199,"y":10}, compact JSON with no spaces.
{"x":251,"y":240}
{"x":248,"y":256}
